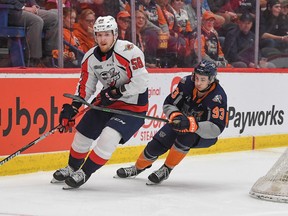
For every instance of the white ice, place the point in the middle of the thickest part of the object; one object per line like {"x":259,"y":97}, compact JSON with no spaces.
{"x":206,"y":185}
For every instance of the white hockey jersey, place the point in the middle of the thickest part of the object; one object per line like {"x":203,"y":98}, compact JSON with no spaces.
{"x":124,"y":65}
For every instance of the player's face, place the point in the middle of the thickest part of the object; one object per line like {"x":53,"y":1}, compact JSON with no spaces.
{"x":105,"y":40}
{"x":201,"y":82}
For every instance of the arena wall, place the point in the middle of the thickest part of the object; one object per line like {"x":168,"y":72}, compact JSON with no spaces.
{"x":31,"y":100}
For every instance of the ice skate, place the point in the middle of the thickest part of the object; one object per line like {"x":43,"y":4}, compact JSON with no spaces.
{"x":129,"y":172}
{"x":159,"y":175}
{"x":77,"y":179}
{"x":61,"y":174}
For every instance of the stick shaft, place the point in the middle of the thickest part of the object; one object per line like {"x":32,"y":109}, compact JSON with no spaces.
{"x":109,"y":110}
{"x":43,"y":136}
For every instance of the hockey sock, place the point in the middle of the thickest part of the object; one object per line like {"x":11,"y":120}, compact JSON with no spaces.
{"x":76,"y":159}
{"x":150,"y":154}
{"x":143,"y":161}
{"x":93,"y":163}
{"x":175,"y":156}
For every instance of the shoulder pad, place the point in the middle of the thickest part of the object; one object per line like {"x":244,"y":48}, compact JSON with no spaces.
{"x":183,"y":80}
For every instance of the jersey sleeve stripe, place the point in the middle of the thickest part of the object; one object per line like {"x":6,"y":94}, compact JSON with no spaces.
{"x":83,"y":79}
{"x":129,"y":107}
{"x":123,"y":61}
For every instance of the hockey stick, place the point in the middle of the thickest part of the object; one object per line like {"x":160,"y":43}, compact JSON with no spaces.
{"x":109,"y":110}
{"x":43,"y":136}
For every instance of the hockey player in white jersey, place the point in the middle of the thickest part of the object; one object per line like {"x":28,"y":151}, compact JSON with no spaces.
{"x":120,"y":67}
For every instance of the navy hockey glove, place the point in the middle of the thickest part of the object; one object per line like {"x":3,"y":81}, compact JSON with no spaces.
{"x":183,"y":124}
{"x":66,"y":117}
{"x":110,"y":95}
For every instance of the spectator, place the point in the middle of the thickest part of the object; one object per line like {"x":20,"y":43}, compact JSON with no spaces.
{"x":284,"y":18}
{"x":123,"y":21}
{"x":183,"y":33}
{"x":224,"y":9}
{"x":53,"y":4}
{"x":97,"y":6}
{"x":113,"y":7}
{"x":191,"y":9}
{"x":240,"y":44}
{"x":122,"y":4}
{"x":101,"y":7}
{"x":28,"y":14}
{"x":243,"y":6}
{"x":156,"y":24}
{"x":272,"y":39}
{"x":83,"y":30}
{"x":210,"y":46}
{"x":69,"y":56}
{"x":156,"y":19}
{"x":263,"y":5}
{"x":181,"y":17}
{"x":141,"y":23}
{"x":167,"y":52}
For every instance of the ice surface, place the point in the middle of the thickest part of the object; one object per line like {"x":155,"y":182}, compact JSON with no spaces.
{"x":207,"y":185}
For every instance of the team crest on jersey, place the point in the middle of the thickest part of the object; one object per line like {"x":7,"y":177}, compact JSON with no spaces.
{"x":162,"y":134}
{"x":217,"y":99}
{"x":128,"y":47}
{"x":110,"y":76}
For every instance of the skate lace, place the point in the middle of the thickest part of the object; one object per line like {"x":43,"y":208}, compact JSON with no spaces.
{"x":163,"y":172}
{"x":131,"y":171}
{"x":79,"y":176}
{"x":66,"y":171}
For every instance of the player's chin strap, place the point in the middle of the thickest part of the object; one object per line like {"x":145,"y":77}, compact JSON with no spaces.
{"x":207,"y":89}
{"x":113,"y":43}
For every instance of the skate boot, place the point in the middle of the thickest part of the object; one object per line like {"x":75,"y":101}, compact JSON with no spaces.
{"x":129,"y":171}
{"x":61,"y":174}
{"x":77,"y":179}
{"x":159,"y":175}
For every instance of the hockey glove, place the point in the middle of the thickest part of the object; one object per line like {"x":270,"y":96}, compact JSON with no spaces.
{"x":110,"y":95}
{"x":183,"y":124}
{"x":66,"y":117}
{"x":221,"y":63}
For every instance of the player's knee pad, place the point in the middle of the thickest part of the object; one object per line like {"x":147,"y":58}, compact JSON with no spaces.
{"x":156,"y":148}
{"x":181,"y":147}
{"x":107,"y":143}
{"x":186,"y":141}
{"x":81,"y":143}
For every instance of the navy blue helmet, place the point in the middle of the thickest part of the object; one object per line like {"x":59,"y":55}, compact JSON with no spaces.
{"x":206,"y":68}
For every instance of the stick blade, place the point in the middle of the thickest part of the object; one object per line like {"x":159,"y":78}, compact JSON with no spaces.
{"x":75,"y":97}
{"x":67,"y":95}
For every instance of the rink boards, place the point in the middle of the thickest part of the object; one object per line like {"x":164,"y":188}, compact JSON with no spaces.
{"x":31,"y":101}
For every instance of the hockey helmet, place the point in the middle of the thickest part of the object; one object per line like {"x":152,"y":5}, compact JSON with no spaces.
{"x":206,"y":68}
{"x":106,"y":23}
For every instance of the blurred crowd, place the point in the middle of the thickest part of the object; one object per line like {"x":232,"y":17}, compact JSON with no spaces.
{"x":166,"y":31}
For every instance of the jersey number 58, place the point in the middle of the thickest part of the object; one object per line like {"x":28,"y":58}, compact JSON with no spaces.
{"x":136,"y":63}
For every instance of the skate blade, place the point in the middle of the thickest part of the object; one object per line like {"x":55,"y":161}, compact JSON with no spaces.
{"x":130,"y":177}
{"x":54,"y":181}
{"x":150,"y":183}
{"x":67,"y":187}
